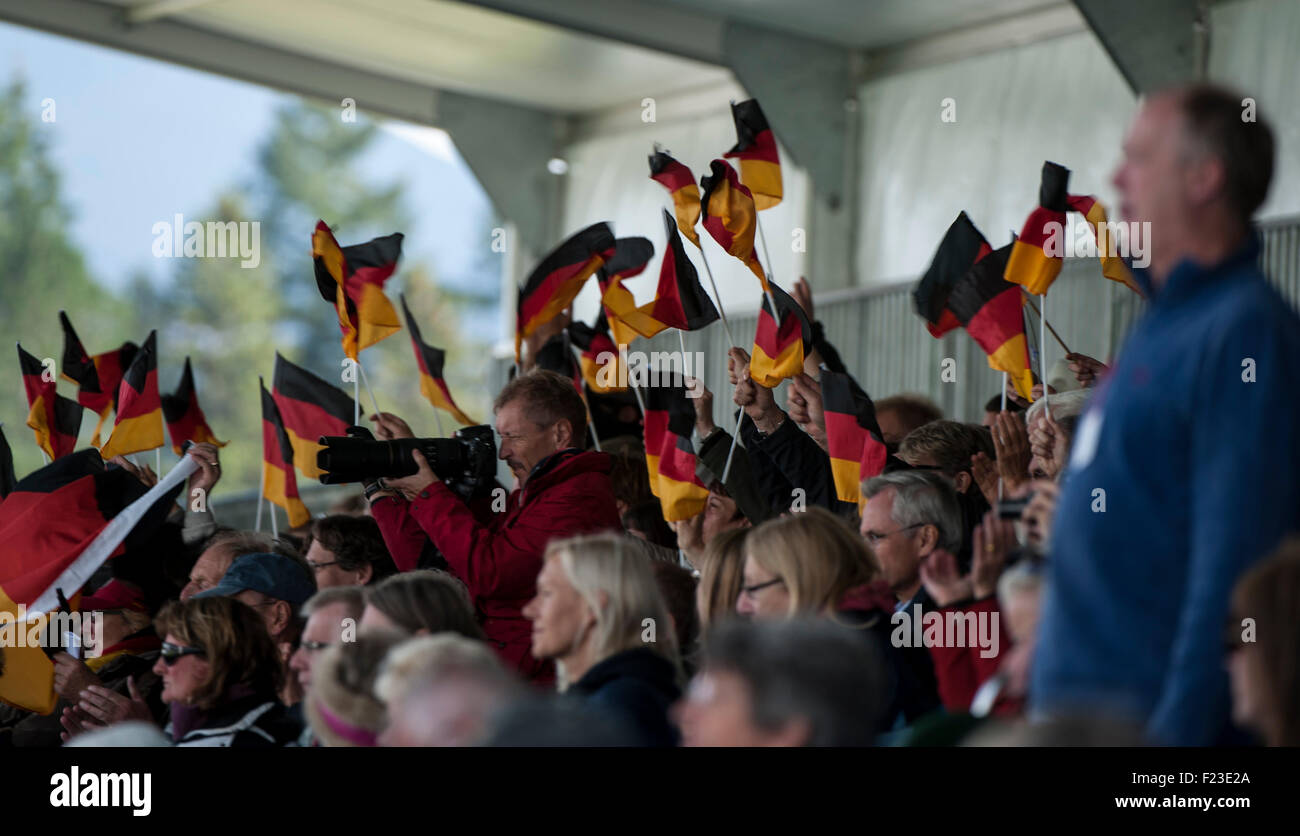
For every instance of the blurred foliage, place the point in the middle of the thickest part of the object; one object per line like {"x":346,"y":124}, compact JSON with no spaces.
{"x":230,"y":320}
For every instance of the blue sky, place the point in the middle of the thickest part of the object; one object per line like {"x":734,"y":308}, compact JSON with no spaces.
{"x":137,"y":140}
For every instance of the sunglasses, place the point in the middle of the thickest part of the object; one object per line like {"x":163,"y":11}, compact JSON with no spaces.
{"x":171,"y":653}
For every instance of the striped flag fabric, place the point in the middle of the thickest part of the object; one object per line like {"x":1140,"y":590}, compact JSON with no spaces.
{"x":279,"y":484}
{"x":781,"y":340}
{"x":990,"y":309}
{"x":554,"y":283}
{"x":962,"y":246}
{"x":680,"y":301}
{"x":730,"y":215}
{"x":308,"y":408}
{"x":54,"y":419}
{"x":627,"y":320}
{"x":1112,"y":266}
{"x":755,"y":148}
{"x":681,"y":186}
{"x":430,"y":360}
{"x":97,"y":376}
{"x":139,"y":422}
{"x":670,"y":457}
{"x":184,"y":417}
{"x":1038,"y":254}
{"x":353,"y":279}
{"x":853,"y":438}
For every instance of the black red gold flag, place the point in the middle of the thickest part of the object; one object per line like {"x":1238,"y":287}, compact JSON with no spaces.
{"x":680,"y":183}
{"x":680,"y":300}
{"x":98,"y":377}
{"x":1112,"y":266}
{"x":730,"y":215}
{"x":853,"y":437}
{"x":430,"y":360}
{"x":962,"y":246}
{"x":670,"y":457}
{"x":139,"y":422}
{"x":760,"y":162}
{"x":1039,"y":252}
{"x":279,"y":483}
{"x":552,"y":286}
{"x":990,"y":309}
{"x":781,"y":340}
{"x":353,"y":279}
{"x":598,"y":361}
{"x":625,"y":319}
{"x":7,"y":477}
{"x":54,"y":419}
{"x":309,"y":408}
{"x":184,"y":416}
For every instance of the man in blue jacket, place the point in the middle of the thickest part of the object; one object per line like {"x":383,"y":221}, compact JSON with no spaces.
{"x":1186,"y":466}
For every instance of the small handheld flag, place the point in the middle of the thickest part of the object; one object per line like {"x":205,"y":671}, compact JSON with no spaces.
{"x":853,"y":437}
{"x":139,"y":422}
{"x":1039,"y":252}
{"x":781,"y":341}
{"x":730,"y":216}
{"x":430,"y":360}
{"x":353,"y":279}
{"x":279,"y":484}
{"x":308,"y":408}
{"x":990,"y":309}
{"x":680,"y":183}
{"x":185,"y":419}
{"x":961,"y":248}
{"x":760,"y":162}
{"x":56,"y":420}
{"x":554,"y":283}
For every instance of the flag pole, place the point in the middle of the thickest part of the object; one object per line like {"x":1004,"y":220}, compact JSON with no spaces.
{"x":1060,"y":341}
{"x":1004,"y":409}
{"x":261,"y":495}
{"x":437,"y":420}
{"x":157,"y":459}
{"x":356,"y":395}
{"x":726,"y":468}
{"x":718,"y":296}
{"x":1042,"y":352}
{"x":366,"y":379}
{"x":275,"y":531}
{"x":591,"y":422}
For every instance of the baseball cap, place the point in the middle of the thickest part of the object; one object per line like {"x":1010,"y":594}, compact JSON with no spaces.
{"x":273,"y":575}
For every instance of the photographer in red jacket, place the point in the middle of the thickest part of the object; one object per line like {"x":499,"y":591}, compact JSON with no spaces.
{"x":496,"y":548}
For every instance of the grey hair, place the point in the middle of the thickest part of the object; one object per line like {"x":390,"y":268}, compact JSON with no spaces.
{"x":428,"y":660}
{"x":1064,"y":405}
{"x":1018,"y":579}
{"x":922,"y":497}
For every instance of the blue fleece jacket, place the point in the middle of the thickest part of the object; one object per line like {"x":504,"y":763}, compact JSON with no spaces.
{"x":1191,"y":445}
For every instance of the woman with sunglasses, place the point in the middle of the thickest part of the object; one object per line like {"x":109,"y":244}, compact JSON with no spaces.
{"x":221,"y":673}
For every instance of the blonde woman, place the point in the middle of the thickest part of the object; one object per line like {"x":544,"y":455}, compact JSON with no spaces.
{"x":813,"y":563}
{"x":599,"y":616}
{"x":722,"y":568}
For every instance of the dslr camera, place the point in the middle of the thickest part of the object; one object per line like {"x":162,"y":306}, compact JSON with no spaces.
{"x":466,"y":462}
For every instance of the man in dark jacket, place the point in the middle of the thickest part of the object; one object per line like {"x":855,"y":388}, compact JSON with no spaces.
{"x":497,"y":550}
{"x":1183,"y":469}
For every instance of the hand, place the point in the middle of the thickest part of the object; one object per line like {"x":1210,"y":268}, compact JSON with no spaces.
{"x":757,"y":401}
{"x":804,"y":401}
{"x":144,"y":473}
{"x":703,"y":407}
{"x":939,"y":575}
{"x":1049,"y":444}
{"x":205,"y":478}
{"x":690,"y":534}
{"x":388,"y":426}
{"x":106,"y":707}
{"x":993,"y":540}
{"x":410,"y":486}
{"x":1011,"y":444}
{"x":1014,"y":397}
{"x":1038,"y":514}
{"x":75,"y":722}
{"x":1085,"y":369}
{"x":71,"y":677}
{"x":985,"y":474}
{"x":802,"y":294}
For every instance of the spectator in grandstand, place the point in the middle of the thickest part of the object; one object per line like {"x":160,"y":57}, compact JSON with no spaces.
{"x":1194,"y":433}
{"x":443,"y":691}
{"x":1264,"y":648}
{"x":802,"y":682}
{"x":899,"y":415}
{"x":218,"y":553}
{"x":421,"y":603}
{"x":347,"y":550}
{"x":722,"y":574}
{"x":599,"y":615}
{"x":342,"y":706}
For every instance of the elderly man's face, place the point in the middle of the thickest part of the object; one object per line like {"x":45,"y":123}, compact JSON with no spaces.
{"x":1153,"y":178}
{"x":524,"y":443}
{"x":897,"y":550}
{"x":208,"y":570}
{"x":324,"y":627}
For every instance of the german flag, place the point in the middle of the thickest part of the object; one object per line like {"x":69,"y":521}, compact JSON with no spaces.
{"x":670,"y":457}
{"x":47,"y":523}
{"x":760,"y":162}
{"x":1112,"y":266}
{"x":308,"y":408}
{"x":680,"y":301}
{"x":139,"y":422}
{"x":557,"y":280}
{"x":1035,"y":259}
{"x":430,"y":359}
{"x":625,"y":319}
{"x":279,"y":484}
{"x":7,"y":477}
{"x":990,"y":309}
{"x":730,"y":216}
{"x":353,"y":279}
{"x":55,"y":419}
{"x":185,"y":419}
{"x":593,"y":341}
{"x":853,"y":438}
{"x":962,"y":246}
{"x":781,"y":340}
{"x":98,"y":377}
{"x":680,"y":183}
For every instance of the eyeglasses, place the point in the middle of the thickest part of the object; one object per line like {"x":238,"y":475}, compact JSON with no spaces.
{"x":171,"y":653}
{"x":751,"y":591}
{"x":874,"y":537}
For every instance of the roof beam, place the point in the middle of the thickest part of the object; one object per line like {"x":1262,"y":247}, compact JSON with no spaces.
{"x":1155,"y":43}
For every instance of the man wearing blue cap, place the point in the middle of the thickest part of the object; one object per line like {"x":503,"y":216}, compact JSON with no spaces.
{"x":276,"y":586}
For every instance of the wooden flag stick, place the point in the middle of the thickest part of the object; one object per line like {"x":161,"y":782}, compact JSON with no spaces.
{"x":1064,"y":347}
{"x":717,"y":296}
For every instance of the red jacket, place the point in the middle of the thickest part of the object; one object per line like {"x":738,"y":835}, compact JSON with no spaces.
{"x":962,"y":670}
{"x":498,"y":556}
